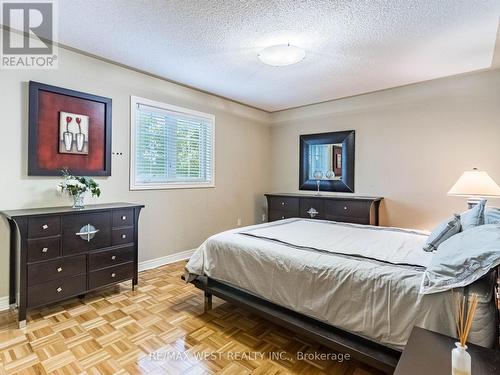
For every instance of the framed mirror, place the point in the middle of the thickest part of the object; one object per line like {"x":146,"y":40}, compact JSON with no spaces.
{"x":327,"y":159}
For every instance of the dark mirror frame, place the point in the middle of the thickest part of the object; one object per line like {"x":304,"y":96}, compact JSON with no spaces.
{"x":346,"y":184}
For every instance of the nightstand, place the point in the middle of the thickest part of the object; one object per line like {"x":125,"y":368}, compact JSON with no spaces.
{"x":429,"y":353}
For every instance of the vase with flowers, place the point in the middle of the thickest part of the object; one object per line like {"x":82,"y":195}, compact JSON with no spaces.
{"x":77,"y":187}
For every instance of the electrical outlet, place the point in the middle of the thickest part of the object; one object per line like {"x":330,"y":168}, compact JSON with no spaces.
{"x":238,"y":222}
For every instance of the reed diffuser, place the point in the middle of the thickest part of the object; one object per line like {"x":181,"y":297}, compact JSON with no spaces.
{"x":460,"y":359}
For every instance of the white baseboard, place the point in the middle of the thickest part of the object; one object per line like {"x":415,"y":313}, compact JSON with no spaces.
{"x":146,"y":265}
{"x":153,"y":263}
{"x":4,"y":303}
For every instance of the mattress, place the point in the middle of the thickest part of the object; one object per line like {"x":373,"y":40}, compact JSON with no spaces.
{"x":361,"y":279}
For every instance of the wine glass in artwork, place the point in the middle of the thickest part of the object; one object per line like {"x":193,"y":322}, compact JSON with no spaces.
{"x":80,"y":137}
{"x":67,"y":135}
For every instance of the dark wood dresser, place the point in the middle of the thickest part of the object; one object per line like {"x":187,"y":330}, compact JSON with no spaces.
{"x":359,"y":210}
{"x":58,"y":253}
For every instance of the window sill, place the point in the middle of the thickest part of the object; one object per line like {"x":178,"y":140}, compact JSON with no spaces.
{"x":170,"y":186}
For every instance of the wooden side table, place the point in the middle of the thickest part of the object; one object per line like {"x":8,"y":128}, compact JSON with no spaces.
{"x":429,"y":353}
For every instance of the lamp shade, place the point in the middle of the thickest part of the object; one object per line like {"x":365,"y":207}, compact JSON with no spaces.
{"x":475,"y":183}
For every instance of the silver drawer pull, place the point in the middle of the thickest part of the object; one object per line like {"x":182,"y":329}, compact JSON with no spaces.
{"x":45,"y":249}
{"x":124,"y":236}
{"x":124,"y":217}
{"x":282,"y":217}
{"x":59,"y":290}
{"x":345,"y":207}
{"x":59,"y":269}
{"x":113,"y":275}
{"x":113,"y":257}
{"x":87,"y":232}
{"x":45,"y":227}
{"x":312,"y":212}
{"x":282,"y":203}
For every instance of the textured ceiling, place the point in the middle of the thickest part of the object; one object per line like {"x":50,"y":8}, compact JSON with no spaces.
{"x":352,"y":47}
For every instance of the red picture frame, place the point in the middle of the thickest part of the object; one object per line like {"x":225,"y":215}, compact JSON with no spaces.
{"x":46,"y":103}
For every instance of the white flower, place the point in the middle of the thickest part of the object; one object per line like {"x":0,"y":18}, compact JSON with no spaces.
{"x":72,"y":182}
{"x":60,"y":188}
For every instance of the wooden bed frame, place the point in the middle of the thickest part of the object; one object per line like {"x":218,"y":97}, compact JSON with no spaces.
{"x":376,"y":355}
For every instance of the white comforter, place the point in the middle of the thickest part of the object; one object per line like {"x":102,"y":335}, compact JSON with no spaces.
{"x":359,"y":278}
{"x":391,"y":245}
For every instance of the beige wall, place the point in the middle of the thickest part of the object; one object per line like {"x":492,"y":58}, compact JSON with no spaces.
{"x":173,"y":220}
{"x":412,"y":143}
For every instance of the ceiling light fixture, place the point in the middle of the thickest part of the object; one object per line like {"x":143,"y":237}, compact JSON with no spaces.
{"x":281,"y":55}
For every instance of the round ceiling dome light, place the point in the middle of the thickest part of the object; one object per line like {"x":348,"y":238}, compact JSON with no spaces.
{"x":281,"y":55}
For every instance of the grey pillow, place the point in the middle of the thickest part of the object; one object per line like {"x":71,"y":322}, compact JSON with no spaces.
{"x":492,"y":215}
{"x":442,"y":232}
{"x":473,"y":217}
{"x":463,"y":259}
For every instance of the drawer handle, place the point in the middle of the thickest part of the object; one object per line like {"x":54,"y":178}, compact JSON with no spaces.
{"x":282,"y":217}
{"x":124,"y":217}
{"x":282,"y":203}
{"x":345,"y":207}
{"x":59,"y":269}
{"x":113,"y":275}
{"x":113,"y":257}
{"x":124,"y":236}
{"x":59,"y":290}
{"x":45,"y":227}
{"x":312,"y":212}
{"x":45,"y":249}
{"x":87,"y":232}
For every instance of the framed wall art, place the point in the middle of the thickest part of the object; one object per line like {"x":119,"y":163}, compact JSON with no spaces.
{"x":68,"y":130}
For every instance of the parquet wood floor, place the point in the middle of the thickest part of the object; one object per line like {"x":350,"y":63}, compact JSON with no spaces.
{"x":158,"y":329}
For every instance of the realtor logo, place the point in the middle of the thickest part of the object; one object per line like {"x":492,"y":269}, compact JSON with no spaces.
{"x":29,"y":34}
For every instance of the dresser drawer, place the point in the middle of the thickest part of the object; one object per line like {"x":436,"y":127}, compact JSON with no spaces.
{"x":111,"y":275}
{"x":345,"y":208}
{"x":123,"y":236}
{"x":44,"y":226}
{"x":109,"y":258}
{"x":56,"y":290}
{"x":123,"y":218}
{"x":56,"y":269}
{"x":77,"y":223}
{"x":284,"y":204}
{"x":312,"y":204}
{"x":280,"y":215}
{"x":43,"y":249}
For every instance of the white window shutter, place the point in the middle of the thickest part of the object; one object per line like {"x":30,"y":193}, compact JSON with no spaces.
{"x":173,"y":147}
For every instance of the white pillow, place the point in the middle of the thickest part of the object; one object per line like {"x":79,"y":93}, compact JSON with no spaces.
{"x":463,"y":259}
{"x":473,"y":217}
{"x":442,"y":232}
{"x":492,"y":215}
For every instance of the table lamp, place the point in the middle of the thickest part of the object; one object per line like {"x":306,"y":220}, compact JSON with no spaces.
{"x":476,"y":185}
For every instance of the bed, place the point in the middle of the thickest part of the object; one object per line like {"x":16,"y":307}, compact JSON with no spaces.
{"x":355,"y":287}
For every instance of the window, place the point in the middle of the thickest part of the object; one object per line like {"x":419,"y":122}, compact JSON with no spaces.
{"x":171,"y":147}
